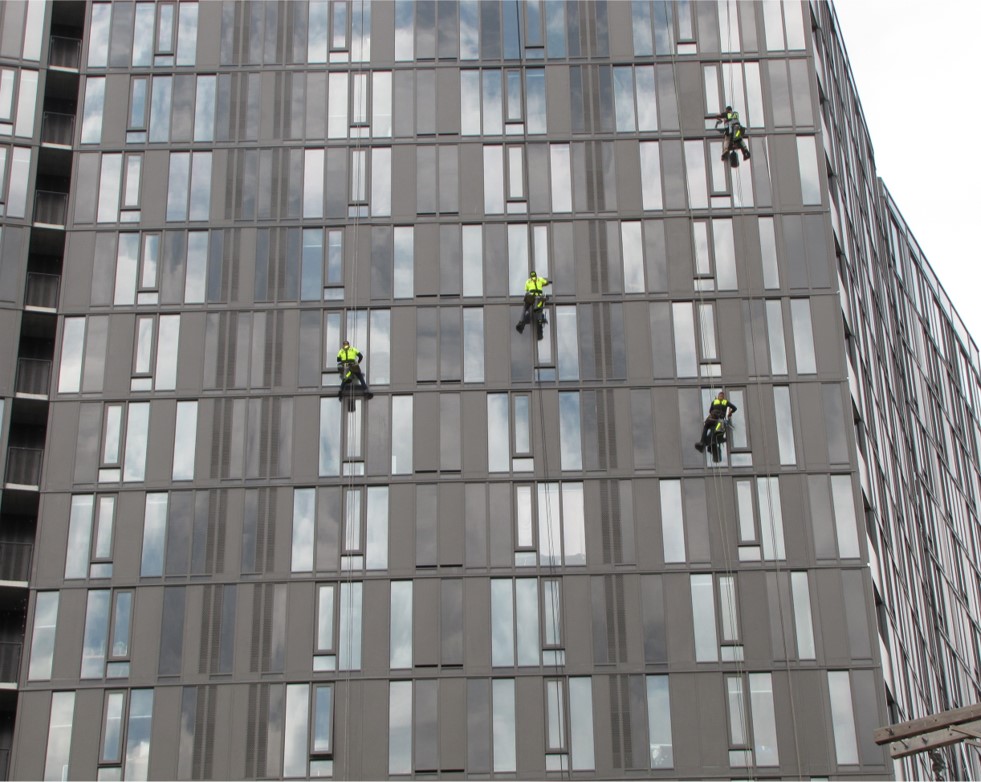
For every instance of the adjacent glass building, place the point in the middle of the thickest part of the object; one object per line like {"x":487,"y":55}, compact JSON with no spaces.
{"x":511,"y":562}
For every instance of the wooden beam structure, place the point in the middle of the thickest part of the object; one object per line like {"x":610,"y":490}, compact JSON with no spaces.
{"x":930,"y":733}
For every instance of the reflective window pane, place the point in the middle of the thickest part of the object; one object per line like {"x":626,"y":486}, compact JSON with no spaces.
{"x":43,"y":636}
{"x":659,"y":722}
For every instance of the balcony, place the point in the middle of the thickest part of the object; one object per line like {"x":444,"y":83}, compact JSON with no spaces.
{"x":57,"y":128}
{"x":33,"y":376}
{"x":10,"y":661}
{"x":50,"y":208}
{"x":15,"y":560}
{"x":42,"y":290}
{"x":64,"y":52}
{"x":24,"y":466}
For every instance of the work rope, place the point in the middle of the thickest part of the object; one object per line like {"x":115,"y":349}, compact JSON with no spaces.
{"x":347,"y":575}
{"x":556,"y":601}
{"x":727,"y":602}
{"x":759,"y":401}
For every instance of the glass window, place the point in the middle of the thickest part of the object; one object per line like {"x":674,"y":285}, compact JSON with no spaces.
{"x":785,"y":425}
{"x":402,"y":444}
{"x":771,"y":518}
{"x":567,"y":343}
{"x":43,"y":636}
{"x":561,"y":177}
{"x":473,"y":345}
{"x":296,"y":728}
{"x":400,"y":728}
{"x":493,"y":180}
{"x":330,"y":436}
{"x":774,"y":328}
{"x":381,"y":182}
{"x":72,"y":340}
{"x":581,"y":739}
{"x":672,"y":521}
{"x":498,"y":433}
{"x":313,"y":183}
{"x":659,"y":721}
{"x":187,"y":34}
{"x":843,"y":718}
{"x":99,"y":35}
{"x":764,"y":720}
{"x":185,"y":439}
{"x":803,"y":623}
{"x":323,"y":720}
{"x":95,"y":93}
{"x":110,"y":181}
{"x":154,"y":532}
{"x":303,"y":528}
{"x":800,"y":314}
{"x":570,"y":431}
{"x":137,"y":425}
{"x":79,"y":537}
{"x":112,"y":730}
{"x":686,"y":361}
{"x":381,"y":104}
{"x":703,"y":611}
{"x":96,"y":635}
{"x":633,"y":257}
{"x":846,"y":526}
{"x":504,"y":726}
{"x":337,"y":104}
{"x":400,"y":648}
{"x":810,"y":181}
{"x":768,"y":247}
{"x":59,"y":734}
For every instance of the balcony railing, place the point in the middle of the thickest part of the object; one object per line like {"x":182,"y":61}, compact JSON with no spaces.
{"x":24,"y":466}
{"x":42,"y":290}
{"x":10,"y":660}
{"x":33,"y":376}
{"x":50,"y":208}
{"x":64,"y":52}
{"x":57,"y":128}
{"x":15,"y":560}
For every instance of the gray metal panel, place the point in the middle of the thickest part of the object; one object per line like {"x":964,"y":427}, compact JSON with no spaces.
{"x":301,"y":629}
{"x":67,"y":660}
{"x":451,"y":524}
{"x":453,"y":724}
{"x":76,"y":276}
{"x":401,"y":529}
{"x":156,"y":172}
{"x":145,"y":633}
{"x":33,"y":711}
{"x":834,"y":629}
{"x":166,"y":727}
{"x":306,"y":443}
{"x":678,"y":618}
{"x":160,"y":442}
{"x":374,"y":647}
{"x":52,"y":538}
{"x":476,"y":610}
{"x":190,"y":366}
{"x":530,"y":713}
{"x":425,"y":623}
{"x":115,"y":112}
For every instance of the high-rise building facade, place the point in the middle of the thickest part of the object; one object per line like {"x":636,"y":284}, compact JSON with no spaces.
{"x":510,"y":562}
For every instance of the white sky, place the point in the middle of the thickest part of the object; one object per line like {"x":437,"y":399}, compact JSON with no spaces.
{"x":916,"y":68}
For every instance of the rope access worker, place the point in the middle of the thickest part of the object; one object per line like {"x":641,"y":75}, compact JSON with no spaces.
{"x":720,"y":411}
{"x":735,"y":133}
{"x":534,"y":300}
{"x":349,"y":365}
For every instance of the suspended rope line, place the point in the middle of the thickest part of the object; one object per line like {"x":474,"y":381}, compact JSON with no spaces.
{"x":777,"y":554}
{"x":357,"y":407}
{"x":565,"y":765}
